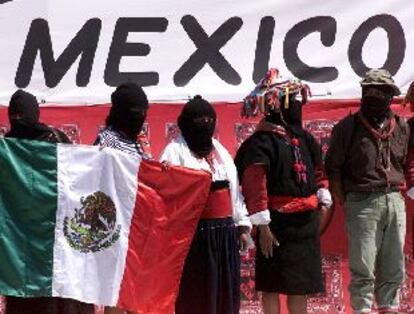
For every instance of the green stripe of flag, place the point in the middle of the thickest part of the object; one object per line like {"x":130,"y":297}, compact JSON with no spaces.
{"x":28,"y":203}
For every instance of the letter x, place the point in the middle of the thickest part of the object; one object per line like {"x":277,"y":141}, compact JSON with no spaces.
{"x":208,"y":51}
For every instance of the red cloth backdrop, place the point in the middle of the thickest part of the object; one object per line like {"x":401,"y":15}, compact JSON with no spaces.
{"x":82,"y":123}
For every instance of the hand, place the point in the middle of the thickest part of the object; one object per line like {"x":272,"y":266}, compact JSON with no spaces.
{"x":267,"y":240}
{"x":165,"y":165}
{"x":244,"y":241}
{"x":323,"y":209}
{"x":337,"y":191}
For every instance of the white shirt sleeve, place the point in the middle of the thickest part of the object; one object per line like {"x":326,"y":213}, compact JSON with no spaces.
{"x":324,"y":197}
{"x":240,"y":214}
{"x":260,"y":218}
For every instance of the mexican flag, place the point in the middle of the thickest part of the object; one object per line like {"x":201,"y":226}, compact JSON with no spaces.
{"x":99,"y":226}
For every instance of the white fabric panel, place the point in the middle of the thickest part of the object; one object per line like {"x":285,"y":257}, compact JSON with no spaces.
{"x":83,"y":170}
{"x":170,"y":49}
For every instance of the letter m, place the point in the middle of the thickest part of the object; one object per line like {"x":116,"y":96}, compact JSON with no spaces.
{"x":38,"y":40}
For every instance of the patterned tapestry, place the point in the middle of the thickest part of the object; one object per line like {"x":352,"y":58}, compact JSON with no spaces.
{"x":232,"y":131}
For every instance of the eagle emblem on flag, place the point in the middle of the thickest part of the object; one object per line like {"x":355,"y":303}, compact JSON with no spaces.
{"x":93,"y":227}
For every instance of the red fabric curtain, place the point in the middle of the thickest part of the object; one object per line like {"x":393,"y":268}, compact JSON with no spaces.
{"x":82,"y":123}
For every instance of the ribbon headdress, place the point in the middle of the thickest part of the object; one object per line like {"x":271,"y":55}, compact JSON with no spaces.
{"x":270,"y":89}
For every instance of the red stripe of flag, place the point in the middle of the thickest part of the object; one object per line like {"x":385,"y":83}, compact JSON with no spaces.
{"x":168,"y":207}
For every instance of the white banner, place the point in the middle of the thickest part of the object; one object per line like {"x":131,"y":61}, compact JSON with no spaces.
{"x":76,"y":51}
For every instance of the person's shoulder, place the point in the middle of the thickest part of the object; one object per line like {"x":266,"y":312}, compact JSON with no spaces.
{"x":223,"y":151}
{"x":406,"y":126}
{"x":59,"y":136}
{"x":217,"y":144}
{"x":173,"y":145}
{"x":350,"y":118}
{"x":106,"y":132}
{"x":51,"y":134}
{"x":106,"y":137}
{"x":176,"y":145}
{"x":346,"y":123}
{"x":258,"y":142}
{"x":263,"y":137}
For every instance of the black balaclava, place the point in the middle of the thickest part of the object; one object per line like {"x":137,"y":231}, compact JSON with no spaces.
{"x":24,"y":116}
{"x":273,"y":115}
{"x":290,"y":116}
{"x":24,"y":106}
{"x":198,"y":133}
{"x":293,"y":114}
{"x":129,"y":109}
{"x":376,"y":102}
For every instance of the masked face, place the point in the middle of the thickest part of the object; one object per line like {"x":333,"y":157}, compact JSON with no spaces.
{"x":23,"y":106}
{"x":204,"y":126}
{"x":199,"y":135}
{"x":134,"y":122}
{"x":197,"y":123}
{"x":375,"y":103}
{"x":21,"y":127}
{"x":274,"y":116}
{"x":128,"y":121}
{"x":23,"y":114}
{"x":293,"y":114}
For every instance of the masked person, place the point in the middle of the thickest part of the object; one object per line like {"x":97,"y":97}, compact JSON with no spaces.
{"x":409,"y":100}
{"x":281,"y":174}
{"x":125,"y":121}
{"x":365,"y":165}
{"x":24,"y":115}
{"x":210,"y":282}
{"x":123,"y":129}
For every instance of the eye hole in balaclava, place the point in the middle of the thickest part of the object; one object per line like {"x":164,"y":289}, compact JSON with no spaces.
{"x":274,"y":116}
{"x":197,"y":123}
{"x":286,"y":113}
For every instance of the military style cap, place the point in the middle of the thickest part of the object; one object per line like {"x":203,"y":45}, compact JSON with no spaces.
{"x":380,"y":77}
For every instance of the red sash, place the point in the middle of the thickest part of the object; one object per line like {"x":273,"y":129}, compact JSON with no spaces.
{"x":289,"y":204}
{"x":218,"y":205}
